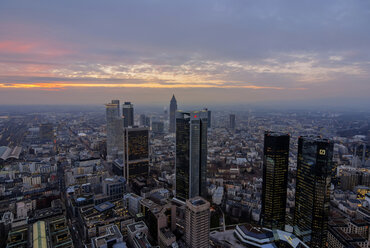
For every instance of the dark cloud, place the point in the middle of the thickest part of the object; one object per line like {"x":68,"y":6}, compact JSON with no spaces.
{"x":291,"y":44}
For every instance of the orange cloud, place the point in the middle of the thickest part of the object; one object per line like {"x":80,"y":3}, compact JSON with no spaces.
{"x":146,"y":85}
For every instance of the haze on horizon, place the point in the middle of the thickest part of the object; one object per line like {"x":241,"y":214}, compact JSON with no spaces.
{"x":219,"y":52}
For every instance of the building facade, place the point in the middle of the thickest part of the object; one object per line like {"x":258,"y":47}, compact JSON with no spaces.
{"x":136,"y":159}
{"x":173,"y":109}
{"x":275,"y":180}
{"x":114,"y":131}
{"x":197,"y":222}
{"x":128,"y":114}
{"x":191,"y":154}
{"x":312,"y":199}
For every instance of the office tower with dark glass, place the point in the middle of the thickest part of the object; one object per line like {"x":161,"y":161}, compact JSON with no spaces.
{"x":191,"y":154}
{"x":209,"y":119}
{"x":312,"y":198}
{"x":173,"y":109}
{"x":114,"y":131}
{"x":128,"y":114}
{"x":232,"y":122}
{"x":275,"y":180}
{"x":136,"y":159}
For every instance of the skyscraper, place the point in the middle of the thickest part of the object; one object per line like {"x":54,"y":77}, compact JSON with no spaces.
{"x":191,"y":154}
{"x":197,"y":222}
{"x":232,"y":122}
{"x":117,"y":102}
{"x":136,"y":159}
{"x":173,"y":108}
{"x":209,"y":118}
{"x":114,"y":131}
{"x":128,"y":114}
{"x":275,"y":180}
{"x":312,"y":198}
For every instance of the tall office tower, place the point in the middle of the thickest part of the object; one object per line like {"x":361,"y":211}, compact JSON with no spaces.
{"x":232,"y":122}
{"x":209,"y":118}
{"x":128,"y":114}
{"x":136,"y":162}
{"x":312,"y":198}
{"x":191,"y":154}
{"x":117,"y":102}
{"x":275,"y":180}
{"x":197,"y":222}
{"x":173,"y":108}
{"x":114,"y":132}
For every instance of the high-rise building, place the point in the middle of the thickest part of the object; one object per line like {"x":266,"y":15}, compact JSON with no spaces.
{"x":173,"y":108}
{"x":197,"y":222}
{"x":232,"y":121}
{"x":275,"y":180}
{"x":312,"y":198}
{"x":128,"y":114}
{"x":191,"y":154}
{"x":136,"y":159}
{"x":114,"y":132}
{"x":209,"y":118}
{"x":117,"y":102}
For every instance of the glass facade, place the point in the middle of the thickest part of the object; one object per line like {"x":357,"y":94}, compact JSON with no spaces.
{"x":128,"y":114}
{"x":114,"y":131}
{"x":314,"y":165}
{"x":136,"y":152}
{"x":275,"y":179}
{"x":182,"y":155}
{"x":191,"y":154}
{"x":137,"y":144}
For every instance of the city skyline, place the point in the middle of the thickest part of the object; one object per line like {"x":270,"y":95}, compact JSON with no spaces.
{"x":227,"y":52}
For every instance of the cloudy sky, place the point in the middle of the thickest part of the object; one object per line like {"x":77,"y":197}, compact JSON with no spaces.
{"x":91,"y":51}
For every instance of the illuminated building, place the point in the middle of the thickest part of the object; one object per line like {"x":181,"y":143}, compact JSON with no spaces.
{"x":128,"y":114}
{"x":275,"y":180}
{"x":197,"y":222}
{"x":313,"y":190}
{"x":191,"y":154}
{"x":136,"y":160}
{"x":173,"y":109}
{"x":49,"y":232}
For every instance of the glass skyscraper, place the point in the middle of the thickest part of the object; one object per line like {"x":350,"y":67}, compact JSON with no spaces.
{"x":128,"y":114}
{"x":114,"y":131}
{"x":314,"y":164}
{"x":136,"y":161}
{"x":275,"y":180}
{"x":191,"y":154}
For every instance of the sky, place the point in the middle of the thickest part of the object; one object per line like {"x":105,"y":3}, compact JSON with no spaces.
{"x":208,"y":51}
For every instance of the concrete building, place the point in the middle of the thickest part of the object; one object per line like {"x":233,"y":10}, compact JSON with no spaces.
{"x":197,"y":222}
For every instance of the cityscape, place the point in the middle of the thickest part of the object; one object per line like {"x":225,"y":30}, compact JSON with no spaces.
{"x":184,"y":124}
